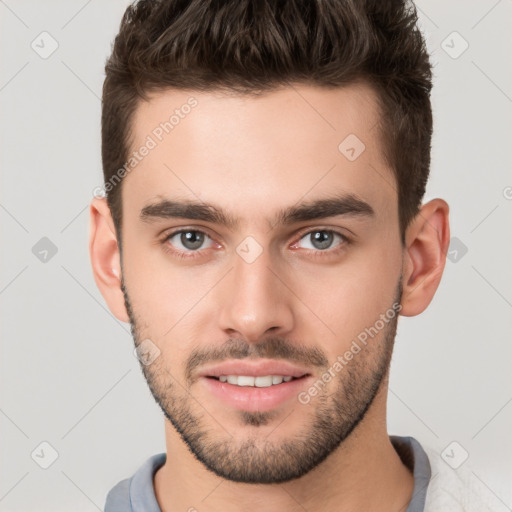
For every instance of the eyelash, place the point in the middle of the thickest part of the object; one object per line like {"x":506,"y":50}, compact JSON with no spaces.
{"x":196,"y":254}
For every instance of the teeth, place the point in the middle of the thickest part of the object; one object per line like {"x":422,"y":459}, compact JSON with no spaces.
{"x":263,"y":381}
{"x":244,"y":381}
{"x":259,"y":382}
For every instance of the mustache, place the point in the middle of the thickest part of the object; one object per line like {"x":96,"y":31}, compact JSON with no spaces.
{"x":271,"y":348}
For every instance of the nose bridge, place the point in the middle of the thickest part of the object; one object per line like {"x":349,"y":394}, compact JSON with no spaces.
{"x":254,"y":299}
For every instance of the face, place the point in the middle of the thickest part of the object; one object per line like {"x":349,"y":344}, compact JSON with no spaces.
{"x":260,"y":238}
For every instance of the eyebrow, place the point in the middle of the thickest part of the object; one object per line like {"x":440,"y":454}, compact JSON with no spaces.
{"x":345,"y":204}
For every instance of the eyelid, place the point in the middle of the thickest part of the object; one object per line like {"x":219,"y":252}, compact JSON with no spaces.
{"x":174,"y":231}
{"x":330,"y":229}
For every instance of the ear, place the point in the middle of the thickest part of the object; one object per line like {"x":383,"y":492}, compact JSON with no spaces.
{"x":105,"y":257}
{"x":426,"y":244}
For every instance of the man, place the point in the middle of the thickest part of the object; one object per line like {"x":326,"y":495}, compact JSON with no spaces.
{"x":264,"y":166}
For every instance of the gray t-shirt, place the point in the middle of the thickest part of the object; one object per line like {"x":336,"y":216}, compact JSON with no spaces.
{"x":136,"y":494}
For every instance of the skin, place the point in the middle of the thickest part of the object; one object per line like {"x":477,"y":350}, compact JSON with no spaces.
{"x":253,"y":157}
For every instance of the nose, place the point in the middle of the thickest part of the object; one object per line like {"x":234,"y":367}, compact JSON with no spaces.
{"x":255,"y":300}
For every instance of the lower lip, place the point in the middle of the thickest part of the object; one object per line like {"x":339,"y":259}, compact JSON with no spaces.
{"x":252,"y":399}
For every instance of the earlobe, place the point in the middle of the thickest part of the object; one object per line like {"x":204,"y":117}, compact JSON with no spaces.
{"x":426,"y":244}
{"x":105,"y":257}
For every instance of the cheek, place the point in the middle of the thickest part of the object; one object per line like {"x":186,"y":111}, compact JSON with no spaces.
{"x":171,"y":299}
{"x":352,"y":296}
{"x":164,"y":296}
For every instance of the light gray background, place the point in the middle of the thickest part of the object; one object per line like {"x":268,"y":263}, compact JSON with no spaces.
{"x":68,"y":374}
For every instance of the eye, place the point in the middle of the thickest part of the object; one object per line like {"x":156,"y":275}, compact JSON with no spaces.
{"x":186,"y":240}
{"x":189,"y":243}
{"x":322,"y":239}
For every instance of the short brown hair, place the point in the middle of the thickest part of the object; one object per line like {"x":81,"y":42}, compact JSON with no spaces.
{"x":253,"y":46}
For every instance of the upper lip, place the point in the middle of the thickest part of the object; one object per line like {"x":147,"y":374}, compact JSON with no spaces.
{"x":254,"y":369}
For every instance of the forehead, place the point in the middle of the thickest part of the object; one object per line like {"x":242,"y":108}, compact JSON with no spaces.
{"x":254,"y":154}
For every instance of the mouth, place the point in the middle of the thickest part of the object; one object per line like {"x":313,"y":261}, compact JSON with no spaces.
{"x":255,"y":393}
